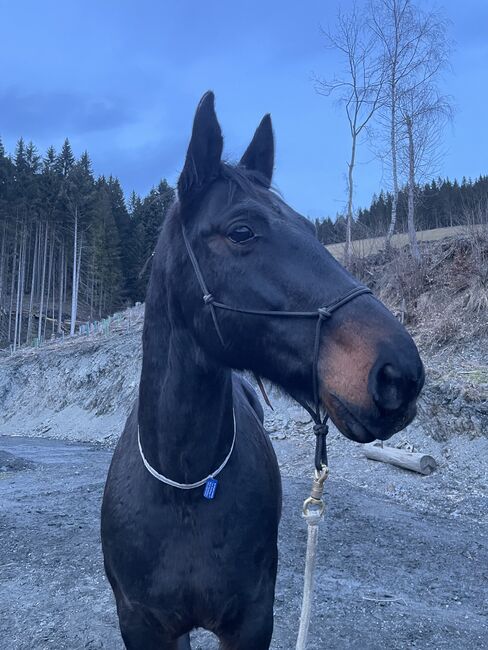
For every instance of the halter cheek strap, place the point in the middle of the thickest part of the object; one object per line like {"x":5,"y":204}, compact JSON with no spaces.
{"x":321,"y":314}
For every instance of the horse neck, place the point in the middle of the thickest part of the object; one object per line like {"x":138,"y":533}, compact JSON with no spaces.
{"x":185,"y":400}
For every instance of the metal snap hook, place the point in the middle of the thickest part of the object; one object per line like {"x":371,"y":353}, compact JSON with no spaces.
{"x":311,"y":505}
{"x":314,"y":502}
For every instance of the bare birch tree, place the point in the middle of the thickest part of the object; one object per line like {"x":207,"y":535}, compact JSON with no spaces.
{"x":359,"y":88}
{"x":423,"y":115}
{"x":414,"y":50}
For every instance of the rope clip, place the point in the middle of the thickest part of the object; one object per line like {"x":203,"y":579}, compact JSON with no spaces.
{"x":314,"y":504}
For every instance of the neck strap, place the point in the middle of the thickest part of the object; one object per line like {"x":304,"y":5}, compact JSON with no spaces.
{"x":186,"y":486}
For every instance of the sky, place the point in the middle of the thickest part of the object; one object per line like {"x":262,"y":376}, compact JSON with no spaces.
{"x":122,"y":79}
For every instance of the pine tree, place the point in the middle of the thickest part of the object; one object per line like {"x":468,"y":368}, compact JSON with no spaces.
{"x":65,"y":160}
{"x":79,"y":199}
{"x":148,"y":217}
{"x":126,"y":244}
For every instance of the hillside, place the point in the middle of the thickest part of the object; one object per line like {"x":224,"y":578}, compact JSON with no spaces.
{"x":444,"y":299}
{"x":78,"y":389}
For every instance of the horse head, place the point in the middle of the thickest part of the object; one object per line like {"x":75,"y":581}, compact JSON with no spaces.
{"x":254,"y":252}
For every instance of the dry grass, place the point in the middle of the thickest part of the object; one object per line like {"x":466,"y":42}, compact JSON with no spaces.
{"x":373,"y":245}
{"x":444,"y":299}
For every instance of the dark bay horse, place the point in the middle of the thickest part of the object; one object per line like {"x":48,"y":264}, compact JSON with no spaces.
{"x":175,"y":559}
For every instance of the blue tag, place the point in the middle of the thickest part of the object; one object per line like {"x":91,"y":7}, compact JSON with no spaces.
{"x":210,"y":488}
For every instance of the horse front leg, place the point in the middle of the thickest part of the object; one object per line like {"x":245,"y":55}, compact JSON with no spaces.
{"x":254,"y":633}
{"x":141,"y":631}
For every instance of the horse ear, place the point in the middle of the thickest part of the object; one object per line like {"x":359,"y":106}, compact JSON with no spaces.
{"x":202,"y":162}
{"x":259,"y":155}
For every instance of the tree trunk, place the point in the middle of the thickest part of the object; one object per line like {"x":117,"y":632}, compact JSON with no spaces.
{"x":350,"y":185}
{"x":53,"y":319}
{"x":78,"y":271}
{"x":43,"y":278}
{"x":421,"y":463}
{"x":65,"y":275}
{"x":61,"y":287}
{"x":2,"y":271}
{"x":17,"y":300}
{"x":73,"y":288}
{"x":394,"y":170}
{"x":22,"y":286}
{"x":37,"y":291}
{"x":49,"y":276}
{"x":100,"y":300}
{"x":33,"y":284}
{"x":412,"y":235}
{"x":2,"y":262}
{"x":12,"y":286}
{"x":92,"y":292}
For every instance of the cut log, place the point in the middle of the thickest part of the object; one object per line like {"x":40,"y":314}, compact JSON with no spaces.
{"x":421,"y":463}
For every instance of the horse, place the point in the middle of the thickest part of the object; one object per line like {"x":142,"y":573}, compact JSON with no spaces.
{"x":192,"y":501}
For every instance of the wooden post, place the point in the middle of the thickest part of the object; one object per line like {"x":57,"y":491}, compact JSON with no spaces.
{"x":421,"y":463}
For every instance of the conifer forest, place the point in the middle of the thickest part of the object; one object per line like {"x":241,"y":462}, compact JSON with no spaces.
{"x":442,"y":203}
{"x":71,"y":248}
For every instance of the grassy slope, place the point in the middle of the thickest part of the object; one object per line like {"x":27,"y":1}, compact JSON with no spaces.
{"x":365,"y":247}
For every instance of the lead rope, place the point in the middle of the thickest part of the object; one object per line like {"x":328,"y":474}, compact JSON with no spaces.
{"x":313,"y":506}
{"x":313,"y":511}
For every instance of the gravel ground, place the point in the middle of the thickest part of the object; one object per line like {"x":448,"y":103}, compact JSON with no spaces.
{"x":403,"y":559}
{"x":458,"y":487}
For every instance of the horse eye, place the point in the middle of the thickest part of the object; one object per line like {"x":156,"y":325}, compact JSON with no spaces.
{"x":240,"y":235}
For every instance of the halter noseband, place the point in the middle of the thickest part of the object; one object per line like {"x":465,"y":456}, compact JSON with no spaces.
{"x":322,"y":313}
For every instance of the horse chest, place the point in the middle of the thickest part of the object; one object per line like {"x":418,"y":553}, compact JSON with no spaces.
{"x":209,"y":549}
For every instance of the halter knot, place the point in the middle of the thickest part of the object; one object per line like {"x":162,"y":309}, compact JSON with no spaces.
{"x":321,"y":429}
{"x":324,"y":313}
{"x":208,"y":299}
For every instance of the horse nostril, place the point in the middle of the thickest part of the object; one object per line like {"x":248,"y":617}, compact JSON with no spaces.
{"x":390,"y":372}
{"x":389,"y":390}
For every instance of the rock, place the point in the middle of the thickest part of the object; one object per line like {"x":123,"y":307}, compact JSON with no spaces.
{"x":299,"y":416}
{"x":278,"y":436}
{"x":11,"y":463}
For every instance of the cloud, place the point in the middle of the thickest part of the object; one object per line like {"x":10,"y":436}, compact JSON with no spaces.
{"x":140,"y":168}
{"x":38,"y":114}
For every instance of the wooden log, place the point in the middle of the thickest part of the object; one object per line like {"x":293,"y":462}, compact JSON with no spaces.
{"x":421,"y":463}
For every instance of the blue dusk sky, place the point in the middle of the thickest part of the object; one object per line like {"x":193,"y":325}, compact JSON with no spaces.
{"x":122,"y":79}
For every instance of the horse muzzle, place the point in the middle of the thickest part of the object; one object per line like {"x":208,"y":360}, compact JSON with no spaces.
{"x":381,"y":404}
{"x":363,"y":427}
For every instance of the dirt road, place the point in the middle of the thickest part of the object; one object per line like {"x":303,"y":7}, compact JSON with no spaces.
{"x":389,"y":576}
